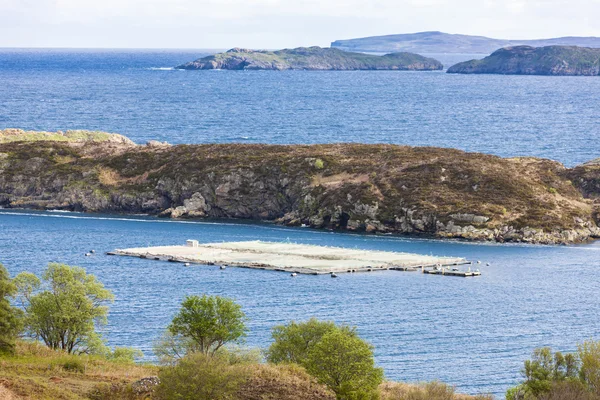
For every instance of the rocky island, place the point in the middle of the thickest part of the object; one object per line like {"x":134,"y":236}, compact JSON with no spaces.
{"x":377,"y":188}
{"x":527,"y":60}
{"x":312,"y":58}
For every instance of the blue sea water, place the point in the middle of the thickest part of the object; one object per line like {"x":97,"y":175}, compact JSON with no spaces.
{"x":470,"y":332}
{"x":473,"y":333}
{"x":137,"y":94}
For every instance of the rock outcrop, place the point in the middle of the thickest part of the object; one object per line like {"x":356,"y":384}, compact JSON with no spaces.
{"x":431,"y":192}
{"x":312,"y":58}
{"x":526,"y":60}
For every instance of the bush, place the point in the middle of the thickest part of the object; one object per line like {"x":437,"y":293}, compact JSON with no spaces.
{"x":201,"y":377}
{"x":292,"y":342}
{"x":74,"y":365}
{"x":344,"y":362}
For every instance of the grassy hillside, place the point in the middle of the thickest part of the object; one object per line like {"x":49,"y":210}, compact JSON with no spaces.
{"x":38,"y":373}
{"x":356,"y":187}
{"x":311,"y":58}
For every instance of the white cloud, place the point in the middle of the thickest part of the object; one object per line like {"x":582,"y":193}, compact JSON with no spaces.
{"x":278,"y":23}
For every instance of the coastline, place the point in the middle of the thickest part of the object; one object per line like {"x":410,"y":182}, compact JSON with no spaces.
{"x":386,"y":189}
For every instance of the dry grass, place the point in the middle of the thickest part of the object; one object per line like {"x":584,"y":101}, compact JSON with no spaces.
{"x":38,"y":373}
{"x":282,"y":382}
{"x":424,"y":391}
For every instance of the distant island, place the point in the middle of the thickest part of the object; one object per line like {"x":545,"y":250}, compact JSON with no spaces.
{"x":312,"y":58}
{"x":375,"y":188}
{"x":440,"y":42}
{"x":527,"y":60}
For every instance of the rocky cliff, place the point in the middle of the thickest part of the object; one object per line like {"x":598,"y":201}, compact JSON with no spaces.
{"x":526,"y":60}
{"x":354,"y":187}
{"x":312,"y":58}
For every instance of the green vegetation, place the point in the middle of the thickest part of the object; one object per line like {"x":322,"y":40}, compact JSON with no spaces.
{"x":10,"y":317}
{"x":64,"y":310}
{"x":202,"y":377}
{"x":344,"y":362}
{"x":335,"y":355}
{"x":556,"y":376}
{"x":526,"y":60}
{"x":209,"y":322}
{"x":312,"y":58}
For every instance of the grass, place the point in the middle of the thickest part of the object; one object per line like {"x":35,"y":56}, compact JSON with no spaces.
{"x":39,"y":373}
{"x":36,"y":372}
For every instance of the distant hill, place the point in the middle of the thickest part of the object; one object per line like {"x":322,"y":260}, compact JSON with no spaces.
{"x":312,"y":58}
{"x":527,"y":60}
{"x":440,"y":42}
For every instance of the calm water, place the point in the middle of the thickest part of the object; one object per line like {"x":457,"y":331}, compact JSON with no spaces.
{"x":474,"y":333}
{"x":129,"y":93}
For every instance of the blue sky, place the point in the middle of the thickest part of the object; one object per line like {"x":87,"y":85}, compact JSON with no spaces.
{"x":279,"y":23}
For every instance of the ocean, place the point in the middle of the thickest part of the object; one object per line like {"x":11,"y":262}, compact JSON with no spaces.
{"x":473,"y":333}
{"x":138,"y":94}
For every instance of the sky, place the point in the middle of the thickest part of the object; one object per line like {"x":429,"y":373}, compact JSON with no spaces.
{"x":271,"y":24}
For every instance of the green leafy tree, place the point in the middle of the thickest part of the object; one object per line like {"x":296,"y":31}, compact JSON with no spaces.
{"x":10,"y":317}
{"x":205,"y":324}
{"x":589,"y":371}
{"x":64,"y":309}
{"x":344,"y":362}
{"x":292,"y":342}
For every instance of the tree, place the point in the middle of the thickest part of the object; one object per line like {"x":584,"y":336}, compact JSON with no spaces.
{"x":208,"y":322}
{"x":63,"y":310}
{"x":344,"y":362}
{"x":292,"y":342}
{"x":589,"y":371}
{"x":10,"y":317}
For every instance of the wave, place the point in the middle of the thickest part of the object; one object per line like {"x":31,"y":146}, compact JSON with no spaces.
{"x":160,"y":69}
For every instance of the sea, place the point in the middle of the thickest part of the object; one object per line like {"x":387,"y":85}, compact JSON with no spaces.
{"x":473,"y":333}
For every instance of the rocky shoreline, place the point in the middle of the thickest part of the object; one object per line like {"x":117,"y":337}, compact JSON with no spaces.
{"x":430,"y":192}
{"x":312,"y":59}
{"x":527,"y":60}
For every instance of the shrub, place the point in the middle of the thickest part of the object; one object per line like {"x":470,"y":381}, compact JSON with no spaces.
{"x":201,"y":377}
{"x":74,"y":365}
{"x":344,"y":362}
{"x":292,"y":342}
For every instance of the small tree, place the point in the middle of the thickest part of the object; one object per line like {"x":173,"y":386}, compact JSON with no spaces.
{"x":10,"y":317}
{"x":63,"y":310}
{"x":208,"y":322}
{"x":344,"y":362}
{"x":292,"y":342}
{"x":589,"y":372}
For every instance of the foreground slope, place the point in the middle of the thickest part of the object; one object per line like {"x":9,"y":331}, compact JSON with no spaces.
{"x":526,"y":60}
{"x":312,"y":58}
{"x":440,"y":42}
{"x":356,"y":187}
